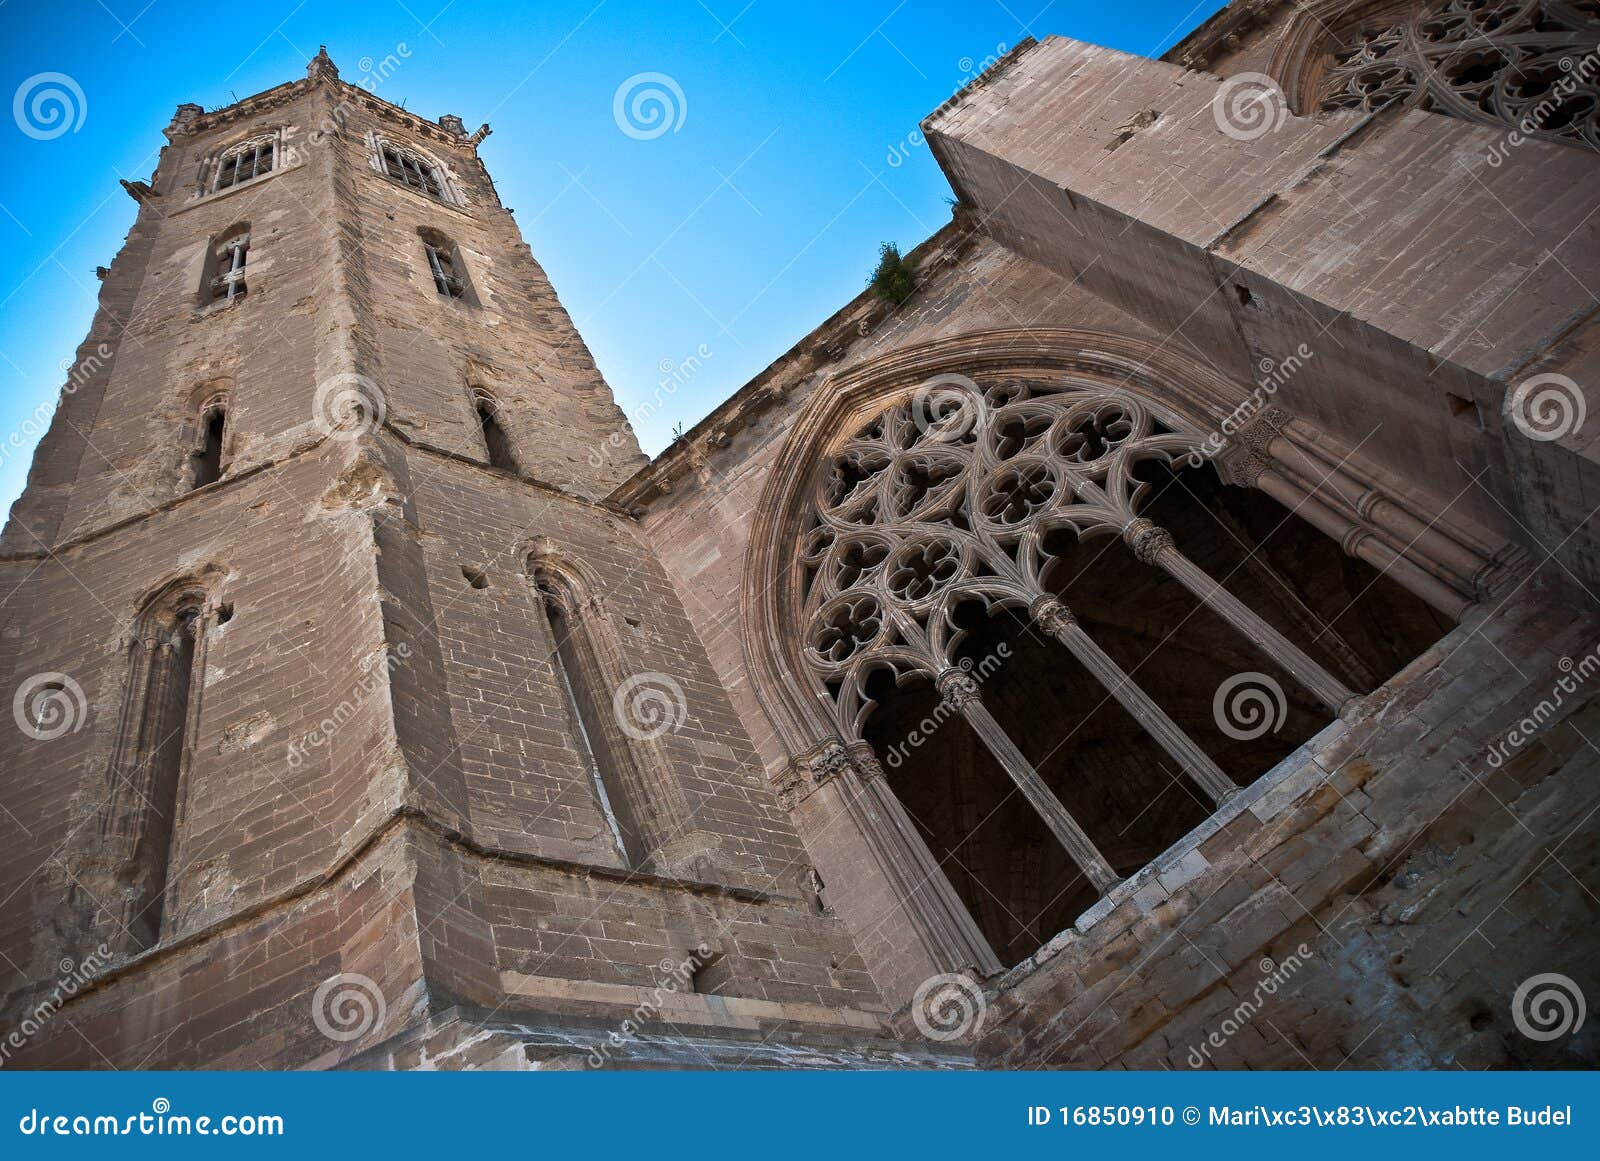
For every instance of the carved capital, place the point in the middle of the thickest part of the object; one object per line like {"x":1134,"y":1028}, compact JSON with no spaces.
{"x":957,"y":688}
{"x":1242,"y":468}
{"x":865,"y":762}
{"x":1053,"y":617}
{"x":827,"y":764}
{"x":1262,"y":428}
{"x":1147,"y":539}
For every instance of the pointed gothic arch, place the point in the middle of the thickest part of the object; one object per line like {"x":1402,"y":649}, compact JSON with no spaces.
{"x":138,"y":834}
{"x":930,"y":480}
{"x":632,"y":777}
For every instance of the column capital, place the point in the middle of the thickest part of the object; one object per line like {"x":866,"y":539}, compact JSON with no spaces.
{"x":865,"y":762}
{"x":1053,"y":616}
{"x":956,"y":687}
{"x":1147,"y":539}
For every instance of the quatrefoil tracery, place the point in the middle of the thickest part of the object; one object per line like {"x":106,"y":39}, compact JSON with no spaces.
{"x":948,"y":497}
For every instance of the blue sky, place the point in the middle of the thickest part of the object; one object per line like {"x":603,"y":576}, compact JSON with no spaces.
{"x":737,"y":232}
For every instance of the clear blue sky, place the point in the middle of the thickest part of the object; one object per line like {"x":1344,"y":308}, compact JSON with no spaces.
{"x":739,"y":232}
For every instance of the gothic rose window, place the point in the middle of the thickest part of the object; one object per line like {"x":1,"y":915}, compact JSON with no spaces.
{"x":1532,"y":64}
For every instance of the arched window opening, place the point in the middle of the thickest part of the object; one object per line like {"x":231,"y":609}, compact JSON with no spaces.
{"x":1064,"y":645}
{"x":589,"y":711}
{"x":1509,"y":62}
{"x":496,"y":442}
{"x":225,"y":265}
{"x":245,"y":162}
{"x":150,"y":757}
{"x":408,"y":168}
{"x":208,"y":456}
{"x":445,"y":265}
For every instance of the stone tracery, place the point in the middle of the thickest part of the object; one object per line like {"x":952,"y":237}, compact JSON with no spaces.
{"x":1528,"y":63}
{"x":947,"y":498}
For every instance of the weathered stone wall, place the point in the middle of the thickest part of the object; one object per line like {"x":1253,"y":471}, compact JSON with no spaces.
{"x":1375,"y":902}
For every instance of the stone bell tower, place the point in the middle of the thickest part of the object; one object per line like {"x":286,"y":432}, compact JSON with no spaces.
{"x":352,"y":723}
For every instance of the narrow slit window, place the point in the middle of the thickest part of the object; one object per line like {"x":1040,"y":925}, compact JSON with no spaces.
{"x":228,"y":261}
{"x":587,"y":731}
{"x":208,"y":457}
{"x":495,"y":440}
{"x":442,"y":263}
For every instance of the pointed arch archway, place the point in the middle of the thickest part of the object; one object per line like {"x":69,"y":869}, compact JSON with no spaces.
{"x":931,"y":479}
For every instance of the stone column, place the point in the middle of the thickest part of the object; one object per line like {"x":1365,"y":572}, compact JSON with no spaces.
{"x":1057,"y":620}
{"x":1153,"y":544}
{"x":958,"y":689}
{"x":917,"y":877}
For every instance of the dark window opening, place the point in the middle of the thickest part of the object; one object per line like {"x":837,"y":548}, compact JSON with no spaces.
{"x":495,"y":439}
{"x":242,"y":163}
{"x":709,"y":973}
{"x":442,"y":264}
{"x":475,"y":577}
{"x":208,"y":459}
{"x":413,"y":172}
{"x":227,"y":281}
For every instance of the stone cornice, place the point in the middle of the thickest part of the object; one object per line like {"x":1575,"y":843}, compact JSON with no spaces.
{"x":1222,"y":33}
{"x":188,"y":121}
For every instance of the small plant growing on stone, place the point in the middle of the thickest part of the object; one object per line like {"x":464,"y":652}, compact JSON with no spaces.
{"x":894,"y":280}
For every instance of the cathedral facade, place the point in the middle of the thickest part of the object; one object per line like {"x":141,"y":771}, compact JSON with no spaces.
{"x":1162,"y":635}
